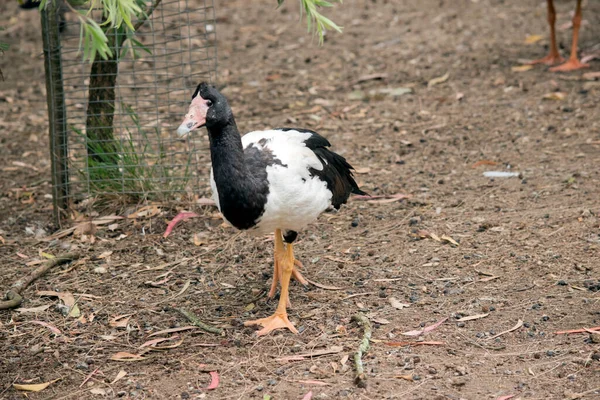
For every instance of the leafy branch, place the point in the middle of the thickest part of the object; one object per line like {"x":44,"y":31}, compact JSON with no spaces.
{"x":117,"y":14}
{"x":316,"y":22}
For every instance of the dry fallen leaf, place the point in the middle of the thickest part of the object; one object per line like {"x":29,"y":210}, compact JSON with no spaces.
{"x":397,"y":304}
{"x":33,"y":387}
{"x":514,"y":328}
{"x":405,"y":377}
{"x":119,"y":376}
{"x":531,"y":39}
{"x":364,"y":170}
{"x":124,"y":356}
{"x":54,"y":329}
{"x":555,"y":96}
{"x":448,"y":239}
{"x":98,"y":391}
{"x":179,"y":217}
{"x":326,"y":287}
{"x":34,"y":309}
{"x":438,"y":80}
{"x":145,"y":212}
{"x":424,"y":330}
{"x":522,"y":68}
{"x":214,"y":380}
{"x":472,"y":317}
{"x":120,"y":321}
{"x":591,"y":76}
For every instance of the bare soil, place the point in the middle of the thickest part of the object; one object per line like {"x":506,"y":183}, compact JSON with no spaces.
{"x":529,"y":246}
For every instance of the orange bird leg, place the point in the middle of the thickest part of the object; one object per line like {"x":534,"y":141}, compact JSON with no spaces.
{"x":279,"y":319}
{"x":573,"y":63}
{"x":553,"y":57}
{"x":279,"y":253}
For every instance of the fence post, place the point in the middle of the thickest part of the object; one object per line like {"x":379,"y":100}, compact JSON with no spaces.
{"x":57,"y":115}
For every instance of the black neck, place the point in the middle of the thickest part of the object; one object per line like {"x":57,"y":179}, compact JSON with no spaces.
{"x":226,"y":151}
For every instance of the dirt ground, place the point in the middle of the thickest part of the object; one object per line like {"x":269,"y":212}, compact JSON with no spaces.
{"x":529,"y":246}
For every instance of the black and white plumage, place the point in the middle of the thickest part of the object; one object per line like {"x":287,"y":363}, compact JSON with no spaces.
{"x":273,"y":179}
{"x":277,"y":180}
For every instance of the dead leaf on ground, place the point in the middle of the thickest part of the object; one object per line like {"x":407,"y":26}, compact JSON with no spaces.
{"x":555,"y":96}
{"x":514,"y":328}
{"x":34,"y":309}
{"x":36,"y":387}
{"x":124,"y":356}
{"x":54,"y":329}
{"x":214,"y":380}
{"x":119,"y":376}
{"x":422,"y":233}
{"x":591,"y":76}
{"x":424,"y":330}
{"x":154,"y":342}
{"x":326,"y":287}
{"x":169,"y":346}
{"x":179,"y":217}
{"x":438,"y":80}
{"x":385,"y":198}
{"x":145,"y":212}
{"x":68,"y":300}
{"x":364,"y":170}
{"x":405,"y":377}
{"x":397,"y":304}
{"x":308,"y":396}
{"x":98,"y":391}
{"x":314,"y":382}
{"x":448,"y":239}
{"x":120,"y":321}
{"x":522,"y":68}
{"x":370,"y":77}
{"x":531,"y":39}
{"x":472,"y":317}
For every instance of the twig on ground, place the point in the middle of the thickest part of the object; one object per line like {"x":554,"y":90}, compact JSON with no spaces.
{"x":365,"y":343}
{"x":196,"y":322}
{"x":13,"y":296}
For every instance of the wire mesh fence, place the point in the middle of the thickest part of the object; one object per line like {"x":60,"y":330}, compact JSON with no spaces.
{"x":112,"y":122}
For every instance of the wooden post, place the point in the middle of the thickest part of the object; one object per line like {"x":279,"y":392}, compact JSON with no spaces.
{"x":57,"y":112}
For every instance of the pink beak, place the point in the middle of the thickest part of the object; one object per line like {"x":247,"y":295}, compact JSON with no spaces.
{"x":195,"y":118}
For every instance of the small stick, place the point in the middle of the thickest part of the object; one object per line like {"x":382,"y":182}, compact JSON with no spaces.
{"x":196,"y":322}
{"x":13,"y":296}
{"x":584,"y":330}
{"x":361,"y":378}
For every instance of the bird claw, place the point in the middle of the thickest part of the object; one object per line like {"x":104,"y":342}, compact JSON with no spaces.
{"x":269,"y":324}
{"x":571,"y":65}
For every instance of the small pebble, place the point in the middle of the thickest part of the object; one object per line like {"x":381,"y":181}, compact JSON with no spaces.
{"x":354,"y":223}
{"x":272,"y":382}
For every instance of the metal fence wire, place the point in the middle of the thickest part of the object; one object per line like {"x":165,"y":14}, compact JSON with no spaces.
{"x":112,"y":122}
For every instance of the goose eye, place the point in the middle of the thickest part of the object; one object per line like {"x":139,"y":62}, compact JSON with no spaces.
{"x":209,"y":103}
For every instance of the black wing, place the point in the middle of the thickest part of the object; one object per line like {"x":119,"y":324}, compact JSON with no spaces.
{"x":336,"y":172}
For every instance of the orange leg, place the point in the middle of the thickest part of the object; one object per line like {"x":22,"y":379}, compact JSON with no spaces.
{"x":553,"y":57}
{"x":277,"y":271}
{"x":279,"y":319}
{"x":573,"y":63}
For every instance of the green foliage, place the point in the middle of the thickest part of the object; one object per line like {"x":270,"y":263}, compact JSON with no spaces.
{"x":118,"y":15}
{"x":144,"y":170}
{"x":316,"y":22}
